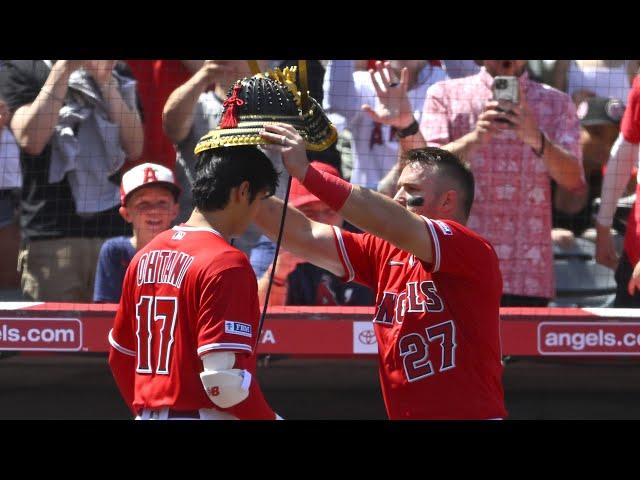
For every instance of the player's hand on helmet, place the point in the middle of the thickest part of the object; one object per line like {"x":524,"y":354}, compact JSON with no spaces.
{"x":393,"y":106}
{"x":286,"y":140}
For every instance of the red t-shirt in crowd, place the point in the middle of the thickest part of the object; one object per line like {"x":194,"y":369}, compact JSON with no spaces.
{"x":186,"y":294}
{"x":630,"y":129}
{"x":630,"y":125}
{"x":437,"y":324}
{"x":157,"y":79}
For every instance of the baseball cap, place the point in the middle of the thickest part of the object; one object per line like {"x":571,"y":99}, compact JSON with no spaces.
{"x":144,"y":175}
{"x":600,"y":111}
{"x":299,"y":195}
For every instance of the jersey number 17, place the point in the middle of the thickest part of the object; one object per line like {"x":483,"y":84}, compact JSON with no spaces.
{"x":155,"y":324}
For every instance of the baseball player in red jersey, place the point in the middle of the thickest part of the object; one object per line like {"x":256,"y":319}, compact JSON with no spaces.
{"x":184,"y":338}
{"x":437,"y":283}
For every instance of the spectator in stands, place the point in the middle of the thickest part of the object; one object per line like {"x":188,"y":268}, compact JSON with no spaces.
{"x":193,"y":109}
{"x":513,"y":155}
{"x":599,"y":127}
{"x":298,"y":282}
{"x":461,"y":68}
{"x":624,"y":155}
{"x":149,"y":197}
{"x":541,"y":71}
{"x":594,"y":78}
{"x":10,"y":185}
{"x":374,"y":146}
{"x":156,"y":79}
{"x":76,"y":123}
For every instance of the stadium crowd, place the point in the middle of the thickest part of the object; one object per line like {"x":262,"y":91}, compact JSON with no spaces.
{"x":97,"y":157}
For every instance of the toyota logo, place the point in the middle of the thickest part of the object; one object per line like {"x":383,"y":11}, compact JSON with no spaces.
{"x":367,"y":337}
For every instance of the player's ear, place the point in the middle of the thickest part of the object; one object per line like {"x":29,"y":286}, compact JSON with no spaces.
{"x":244,"y":189}
{"x":449,"y":201}
{"x":124,"y":213}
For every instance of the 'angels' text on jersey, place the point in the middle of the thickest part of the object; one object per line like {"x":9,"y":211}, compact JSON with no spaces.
{"x":417,"y":297}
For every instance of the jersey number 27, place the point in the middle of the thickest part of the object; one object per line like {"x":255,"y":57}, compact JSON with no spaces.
{"x":414,"y":350}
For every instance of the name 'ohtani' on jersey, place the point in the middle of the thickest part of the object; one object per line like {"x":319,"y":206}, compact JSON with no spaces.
{"x":163,"y":266}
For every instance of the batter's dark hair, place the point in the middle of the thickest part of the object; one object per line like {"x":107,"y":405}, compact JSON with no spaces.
{"x":220,"y":170}
{"x":450,"y":166}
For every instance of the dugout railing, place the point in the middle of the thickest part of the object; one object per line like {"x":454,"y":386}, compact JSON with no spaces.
{"x":332,"y":331}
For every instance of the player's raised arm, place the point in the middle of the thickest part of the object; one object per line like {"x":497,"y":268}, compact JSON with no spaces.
{"x":367,"y":209}
{"x":306,"y":238}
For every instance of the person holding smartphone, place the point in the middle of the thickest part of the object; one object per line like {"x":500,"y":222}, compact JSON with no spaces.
{"x":514,"y":144}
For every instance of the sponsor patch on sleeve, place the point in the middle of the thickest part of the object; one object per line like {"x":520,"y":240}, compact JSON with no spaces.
{"x":446,"y":229}
{"x":237,"y":328}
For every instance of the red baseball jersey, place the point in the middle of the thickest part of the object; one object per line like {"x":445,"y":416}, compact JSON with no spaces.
{"x":437,"y":325}
{"x":188,"y":293}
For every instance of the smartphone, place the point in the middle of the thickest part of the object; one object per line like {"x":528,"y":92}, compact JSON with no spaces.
{"x":506,"y":91}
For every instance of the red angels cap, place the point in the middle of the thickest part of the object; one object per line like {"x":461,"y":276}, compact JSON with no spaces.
{"x":299,"y":195}
{"x":147,"y":174}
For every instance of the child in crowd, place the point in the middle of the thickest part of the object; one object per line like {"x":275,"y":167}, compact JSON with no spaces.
{"x":149,"y":196}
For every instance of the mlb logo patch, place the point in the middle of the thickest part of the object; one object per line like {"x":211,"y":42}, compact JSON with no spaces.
{"x":178,"y":235}
{"x":237,"y":328}
{"x":444,"y":227}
